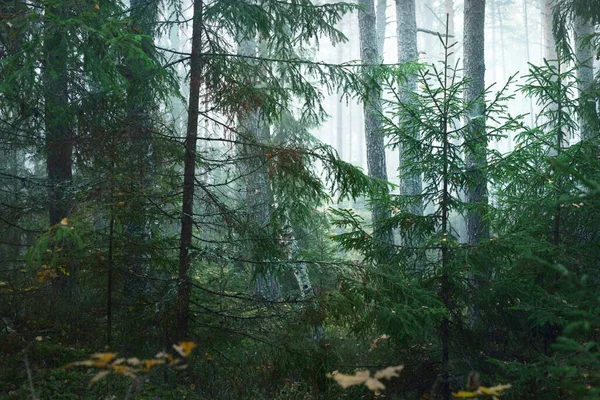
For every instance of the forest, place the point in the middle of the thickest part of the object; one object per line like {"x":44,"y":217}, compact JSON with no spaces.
{"x":299,"y":199}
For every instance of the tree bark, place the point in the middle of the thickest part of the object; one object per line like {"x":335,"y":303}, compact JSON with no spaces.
{"x":58,"y":124}
{"x":406,"y":28}
{"x":376,"y":163}
{"x":474,"y":67}
{"x":549,"y":44}
{"x":258,"y":191}
{"x":585,"y":75}
{"x":381,"y":26}
{"x":189,"y":176}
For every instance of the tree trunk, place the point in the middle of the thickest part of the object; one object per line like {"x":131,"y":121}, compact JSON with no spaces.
{"x":549,"y":44}
{"x":139,"y":125}
{"x":258,"y":192}
{"x":376,"y":163}
{"x":58,"y":123}
{"x":381,"y":26}
{"x":476,"y":150}
{"x":585,"y":75}
{"x":189,"y":176}
{"x":406,"y":28}
{"x":527,"y":54}
{"x":474,"y":67}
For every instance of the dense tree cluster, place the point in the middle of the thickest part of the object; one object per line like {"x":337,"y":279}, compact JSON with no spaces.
{"x":161,"y":184}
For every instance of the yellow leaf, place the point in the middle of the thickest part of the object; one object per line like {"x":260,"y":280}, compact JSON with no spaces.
{"x":374,"y":385}
{"x":148,"y":364}
{"x":134,"y":361}
{"x":389,"y":372}
{"x":104,"y":357}
{"x":124,"y":370}
{"x":38,"y":338}
{"x":96,"y":7}
{"x":64,"y":221}
{"x":163,"y":354}
{"x":184,"y":348}
{"x":463,"y":394}
{"x":99,"y":376}
{"x":121,"y":204}
{"x":346,"y":381}
{"x":494,"y":390}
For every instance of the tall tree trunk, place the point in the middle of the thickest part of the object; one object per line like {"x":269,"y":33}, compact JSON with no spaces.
{"x":474,"y":67}
{"x":527,"y":52}
{"x":58,"y":122}
{"x":139,"y":126}
{"x":476,"y":153}
{"x":258,"y":192}
{"x":372,"y":110}
{"x":406,"y":28}
{"x":549,"y":44}
{"x":501,"y":29}
{"x":381,"y":26}
{"x":449,"y":8}
{"x":189,"y":176}
{"x":585,"y":75}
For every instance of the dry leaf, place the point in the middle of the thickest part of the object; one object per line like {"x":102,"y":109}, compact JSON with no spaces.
{"x":104,"y":357}
{"x":389,"y":372}
{"x":495,"y":390}
{"x":464,"y":394}
{"x":64,"y":221}
{"x":99,"y":376}
{"x":346,"y":381}
{"x":374,"y":385}
{"x":148,"y":364}
{"x":184,"y":348}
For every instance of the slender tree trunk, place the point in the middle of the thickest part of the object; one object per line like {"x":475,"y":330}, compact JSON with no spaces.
{"x":549,"y":44}
{"x":527,"y":51}
{"x":258,"y":192}
{"x":445,"y":290}
{"x":493,"y":60}
{"x":449,"y":8}
{"x":476,"y":153}
{"x":372,"y":110}
{"x":406,"y":28}
{"x":585,"y":75}
{"x":189,"y":176}
{"x":474,"y":67}
{"x":139,"y":126}
{"x":501,"y":29}
{"x":58,"y":124}
{"x":381,"y":26}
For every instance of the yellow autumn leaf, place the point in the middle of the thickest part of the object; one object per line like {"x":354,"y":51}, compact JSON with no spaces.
{"x":148,"y":364}
{"x":464,"y":394}
{"x":184,"y":348}
{"x":123,"y":370}
{"x":96,"y":7}
{"x":99,"y":376}
{"x":346,"y":381}
{"x":104,"y":357}
{"x":163,"y":354}
{"x":389,"y":372}
{"x":374,"y":385}
{"x":494,"y":390}
{"x":134,"y":361}
{"x":64,"y":221}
